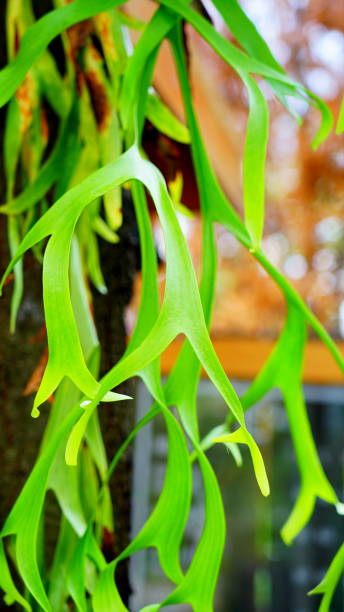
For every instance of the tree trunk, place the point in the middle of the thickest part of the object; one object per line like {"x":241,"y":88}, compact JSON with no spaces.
{"x":119,"y":262}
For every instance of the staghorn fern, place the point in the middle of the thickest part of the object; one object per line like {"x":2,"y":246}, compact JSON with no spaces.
{"x":100,"y":150}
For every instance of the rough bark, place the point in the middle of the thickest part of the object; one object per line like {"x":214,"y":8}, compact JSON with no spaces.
{"x":119,"y":262}
{"x":19,"y":354}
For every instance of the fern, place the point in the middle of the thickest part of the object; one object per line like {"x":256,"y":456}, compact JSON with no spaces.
{"x":100,"y":152}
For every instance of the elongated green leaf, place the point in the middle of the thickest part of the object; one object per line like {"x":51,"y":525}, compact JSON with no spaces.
{"x":182,"y":383}
{"x":165,"y":526}
{"x":93,"y":264}
{"x":73,"y":345}
{"x":158,"y":27}
{"x":245,"y":32}
{"x":326,"y":490}
{"x":17,"y":295}
{"x":65,"y":546}
{"x":65,"y":354}
{"x":238,"y":438}
{"x":49,"y":172}
{"x":63,"y":480}
{"x":222,"y":212}
{"x":328,"y":584}
{"x":6,"y":583}
{"x":52,"y":86}
{"x":294,"y":299}
{"x":24,"y":518}
{"x":76,"y":573}
{"x":254,"y":161}
{"x":286,"y":374}
{"x":104,"y":230}
{"x":106,"y":595}
{"x":198,"y":585}
{"x":40,"y":34}
{"x":249,"y":38}
{"x":165,"y":121}
{"x":249,"y":65}
{"x":340,"y":120}
{"x":12,"y":144}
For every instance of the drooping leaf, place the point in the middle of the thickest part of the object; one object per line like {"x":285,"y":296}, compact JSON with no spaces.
{"x":254,"y":161}
{"x":244,"y":64}
{"x":164,"y":120}
{"x":49,"y":172}
{"x":286,"y":374}
{"x":328,"y":584}
{"x":24,"y":519}
{"x":340,"y":120}
{"x":40,"y":34}
{"x":74,"y":351}
{"x":6,"y":583}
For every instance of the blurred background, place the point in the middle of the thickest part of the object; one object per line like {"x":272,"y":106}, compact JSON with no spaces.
{"x":304,"y":238}
{"x":259,"y":573}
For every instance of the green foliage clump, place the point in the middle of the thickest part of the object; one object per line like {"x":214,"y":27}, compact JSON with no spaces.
{"x":99,"y":148}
